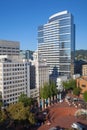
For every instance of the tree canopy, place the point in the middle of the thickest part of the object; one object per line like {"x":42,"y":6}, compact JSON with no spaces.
{"x":53,"y":89}
{"x":18,"y":112}
{"x":48,"y":90}
{"x":85,"y":96}
{"x":3,"y":116}
{"x":70,"y":84}
{"x":25,"y":100}
{"x":44,"y":91}
{"x":76,"y":91}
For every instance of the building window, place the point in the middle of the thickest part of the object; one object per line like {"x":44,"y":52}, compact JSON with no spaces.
{"x":83,"y":86}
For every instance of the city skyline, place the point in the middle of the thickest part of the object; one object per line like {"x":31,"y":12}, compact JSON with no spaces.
{"x":21,"y":18}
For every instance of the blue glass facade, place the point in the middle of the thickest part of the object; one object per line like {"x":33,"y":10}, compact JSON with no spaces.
{"x":26,"y":54}
{"x":56,"y":43}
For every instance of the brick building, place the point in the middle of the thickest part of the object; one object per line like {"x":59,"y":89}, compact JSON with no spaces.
{"x":82,"y":83}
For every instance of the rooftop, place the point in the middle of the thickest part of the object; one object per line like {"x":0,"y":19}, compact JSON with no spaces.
{"x":57,"y":14}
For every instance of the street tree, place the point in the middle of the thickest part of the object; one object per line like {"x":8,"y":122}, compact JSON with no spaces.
{"x":85,"y":96}
{"x":25,"y":100}
{"x":76,"y":91}
{"x":44,"y":91}
{"x":69,"y":85}
{"x":53,"y":89}
{"x":18,"y":112}
{"x":48,"y":90}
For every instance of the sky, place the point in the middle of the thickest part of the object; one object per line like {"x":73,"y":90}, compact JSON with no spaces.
{"x":19,"y":20}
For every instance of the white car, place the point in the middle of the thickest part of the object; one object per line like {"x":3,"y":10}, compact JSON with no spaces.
{"x":53,"y":128}
{"x":77,"y":126}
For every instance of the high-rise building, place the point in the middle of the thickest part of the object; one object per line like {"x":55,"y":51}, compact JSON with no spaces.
{"x":14,"y":78}
{"x":14,"y":72}
{"x":56,"y":43}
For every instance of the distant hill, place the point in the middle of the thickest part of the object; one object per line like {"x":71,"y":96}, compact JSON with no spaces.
{"x":81,"y":54}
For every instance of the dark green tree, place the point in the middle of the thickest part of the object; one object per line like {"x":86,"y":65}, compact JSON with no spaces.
{"x":25,"y":100}
{"x":44,"y":91}
{"x":85,"y":99}
{"x":53,"y":89}
{"x":69,"y":85}
{"x":76,"y":91}
{"x":85,"y":96}
{"x":48,"y":90}
{"x":3,"y":116}
{"x":1,"y":104}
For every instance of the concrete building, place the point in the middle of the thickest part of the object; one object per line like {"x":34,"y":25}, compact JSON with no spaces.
{"x":39,"y":75}
{"x":82,"y":83}
{"x":34,"y":93}
{"x":14,"y":78}
{"x":17,"y":75}
{"x":43,"y":75}
{"x":75,"y":76}
{"x":56,"y":43}
{"x":84,"y":70}
{"x":35,"y":65}
{"x":60,"y":81}
{"x":41,"y":71}
{"x":9,"y":47}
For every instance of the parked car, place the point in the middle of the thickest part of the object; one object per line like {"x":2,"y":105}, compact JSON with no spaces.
{"x":53,"y":128}
{"x":78,"y":126}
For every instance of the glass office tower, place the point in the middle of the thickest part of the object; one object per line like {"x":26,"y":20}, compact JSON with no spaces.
{"x":56,"y":43}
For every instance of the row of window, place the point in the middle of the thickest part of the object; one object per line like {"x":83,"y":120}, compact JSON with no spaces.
{"x":13,"y":73}
{"x":14,"y":82}
{"x":15,"y":86}
{"x":14,"y":69}
{"x":11,"y":97}
{"x":13,"y":65}
{"x":14,"y":90}
{"x":12,"y":78}
{"x":9,"y":48}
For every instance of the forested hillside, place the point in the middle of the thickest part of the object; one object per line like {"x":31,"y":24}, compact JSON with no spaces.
{"x":81,"y":54}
